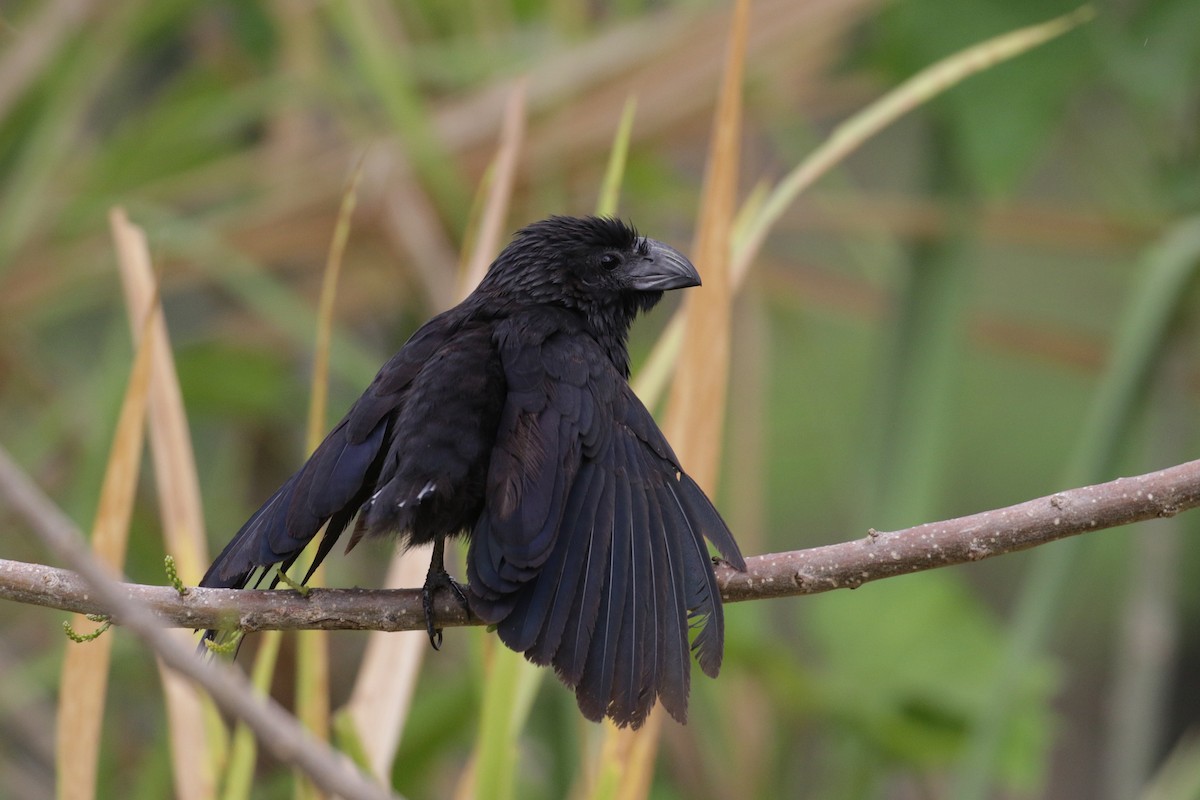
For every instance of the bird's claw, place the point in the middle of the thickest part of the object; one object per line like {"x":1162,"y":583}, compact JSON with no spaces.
{"x":434,"y":581}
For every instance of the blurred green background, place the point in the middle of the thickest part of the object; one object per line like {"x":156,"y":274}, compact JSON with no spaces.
{"x":926,"y":334}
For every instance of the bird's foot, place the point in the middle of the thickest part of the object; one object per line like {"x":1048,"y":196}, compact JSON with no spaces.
{"x":438,"y":579}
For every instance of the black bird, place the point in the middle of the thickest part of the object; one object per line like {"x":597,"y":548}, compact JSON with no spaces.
{"x":509,"y":419}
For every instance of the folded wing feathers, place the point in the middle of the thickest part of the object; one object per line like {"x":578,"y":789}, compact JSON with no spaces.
{"x":703,"y":594}
{"x":673,"y":639}
{"x":571,"y":659}
{"x":624,"y":573}
{"x":649,"y":648}
{"x":595,"y":687}
{"x":540,"y":610}
{"x":708,"y":521}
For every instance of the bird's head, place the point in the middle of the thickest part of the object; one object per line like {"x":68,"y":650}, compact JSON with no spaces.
{"x":598,"y":266}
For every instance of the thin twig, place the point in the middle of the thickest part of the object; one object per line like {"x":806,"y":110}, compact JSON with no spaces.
{"x":228,"y":687}
{"x":839,"y":566}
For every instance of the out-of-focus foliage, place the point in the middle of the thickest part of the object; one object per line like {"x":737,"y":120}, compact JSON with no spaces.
{"x":921,"y":337}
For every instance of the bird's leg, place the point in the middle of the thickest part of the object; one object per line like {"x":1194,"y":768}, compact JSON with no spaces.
{"x":436,"y":578}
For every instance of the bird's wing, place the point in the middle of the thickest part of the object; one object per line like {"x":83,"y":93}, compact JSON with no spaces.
{"x":337,"y":478}
{"x":590,"y":554}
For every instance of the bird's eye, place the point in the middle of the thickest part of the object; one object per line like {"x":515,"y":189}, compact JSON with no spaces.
{"x":610,"y":261}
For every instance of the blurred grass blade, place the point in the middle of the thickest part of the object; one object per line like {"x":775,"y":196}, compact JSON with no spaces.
{"x":696,"y":407}
{"x":171,"y":443}
{"x":391,"y":663}
{"x":501,"y":176}
{"x":193,"y":765}
{"x":345,"y":735}
{"x":84,"y":679}
{"x":370,"y":33}
{"x":510,"y":685}
{"x":319,"y":395}
{"x":614,"y":173}
{"x":1168,"y":269}
{"x":243,"y":749}
{"x":917,"y":90}
{"x":626,"y":761}
{"x":652,"y":379}
{"x":312,"y":647}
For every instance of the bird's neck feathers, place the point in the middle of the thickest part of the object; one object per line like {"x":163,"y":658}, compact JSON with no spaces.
{"x":609,"y":325}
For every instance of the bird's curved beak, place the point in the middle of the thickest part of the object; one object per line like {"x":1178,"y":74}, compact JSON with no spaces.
{"x":662,"y":268}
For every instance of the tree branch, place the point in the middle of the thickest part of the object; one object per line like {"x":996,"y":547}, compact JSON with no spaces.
{"x":839,"y":566}
{"x":228,"y":687}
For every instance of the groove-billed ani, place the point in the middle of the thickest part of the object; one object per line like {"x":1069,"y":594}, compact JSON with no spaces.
{"x":509,"y":419}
